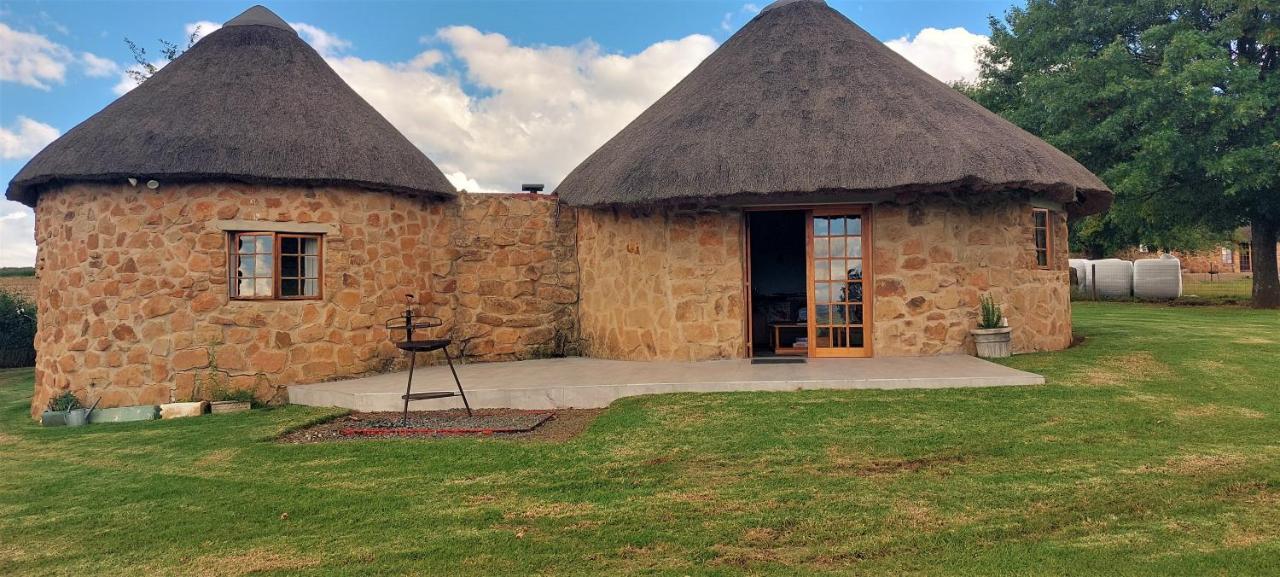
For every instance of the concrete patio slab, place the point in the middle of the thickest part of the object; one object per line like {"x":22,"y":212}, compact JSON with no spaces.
{"x":590,"y":383}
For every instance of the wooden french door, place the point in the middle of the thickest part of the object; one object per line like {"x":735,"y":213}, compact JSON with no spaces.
{"x":839,"y":303}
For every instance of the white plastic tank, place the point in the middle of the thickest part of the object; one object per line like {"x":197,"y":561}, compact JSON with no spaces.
{"x":1157,"y":278}
{"x":1082,"y":275}
{"x":1112,"y":278}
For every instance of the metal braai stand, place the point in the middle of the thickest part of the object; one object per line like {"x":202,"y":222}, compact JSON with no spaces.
{"x":408,"y":322}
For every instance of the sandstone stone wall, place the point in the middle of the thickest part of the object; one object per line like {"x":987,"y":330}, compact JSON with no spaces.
{"x":134,"y":304}
{"x":516,"y":276}
{"x":935,"y":257}
{"x":661,"y":284}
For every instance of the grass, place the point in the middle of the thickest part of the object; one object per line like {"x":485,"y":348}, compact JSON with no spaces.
{"x":1239,"y":288}
{"x":1153,"y":450}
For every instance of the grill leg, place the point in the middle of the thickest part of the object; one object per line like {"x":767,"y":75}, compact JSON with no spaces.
{"x":449,"y":358}
{"x":413,"y":357}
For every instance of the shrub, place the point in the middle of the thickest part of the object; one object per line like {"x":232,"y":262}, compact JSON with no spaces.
{"x":64,"y":402}
{"x":17,"y":331}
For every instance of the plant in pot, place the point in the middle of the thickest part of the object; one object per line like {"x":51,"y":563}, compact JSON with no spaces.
{"x":993,"y":333}
{"x":55,"y":415}
{"x":224,"y":399}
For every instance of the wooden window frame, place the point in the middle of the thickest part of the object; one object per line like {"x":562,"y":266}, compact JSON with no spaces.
{"x":1048,"y":238}
{"x":233,"y":254}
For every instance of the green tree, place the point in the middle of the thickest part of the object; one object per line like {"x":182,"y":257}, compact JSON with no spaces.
{"x":1175,"y":104}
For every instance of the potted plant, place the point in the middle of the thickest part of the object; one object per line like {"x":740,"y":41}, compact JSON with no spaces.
{"x":59,"y":407}
{"x":230,"y":401}
{"x":993,"y":333}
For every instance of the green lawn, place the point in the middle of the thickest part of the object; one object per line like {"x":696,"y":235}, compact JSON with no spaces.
{"x":1238,"y":288}
{"x":1153,"y":450}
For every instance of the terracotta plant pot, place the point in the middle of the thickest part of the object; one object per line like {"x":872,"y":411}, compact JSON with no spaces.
{"x":218,"y":407}
{"x":992,"y":343}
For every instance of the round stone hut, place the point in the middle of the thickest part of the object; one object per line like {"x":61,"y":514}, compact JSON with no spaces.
{"x":806,"y":190}
{"x":242,"y":219}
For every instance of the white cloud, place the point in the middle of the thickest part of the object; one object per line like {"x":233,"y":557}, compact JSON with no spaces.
{"x":538,"y":112}
{"x":200,"y":29}
{"x":97,"y":66}
{"x":949,"y":55}
{"x":17,"y":226}
{"x":324,"y":42}
{"x":31,"y":59}
{"x":127,"y":83}
{"x":26,"y":139}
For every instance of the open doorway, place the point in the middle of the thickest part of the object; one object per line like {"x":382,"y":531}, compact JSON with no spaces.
{"x":778,"y":283}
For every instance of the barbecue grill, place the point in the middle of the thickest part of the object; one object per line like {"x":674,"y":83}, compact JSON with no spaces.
{"x":410,"y":321}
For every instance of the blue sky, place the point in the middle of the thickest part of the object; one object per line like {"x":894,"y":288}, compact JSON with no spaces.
{"x":496,"y":92}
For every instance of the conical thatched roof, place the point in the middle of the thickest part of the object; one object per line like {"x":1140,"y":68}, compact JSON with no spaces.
{"x":803,"y":101}
{"x":250,"y":102}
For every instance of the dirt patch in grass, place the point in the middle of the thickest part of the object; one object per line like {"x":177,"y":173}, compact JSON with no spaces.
{"x":1253,"y":341}
{"x":249,"y":563}
{"x":563,"y":425}
{"x":1197,"y":465}
{"x":217,"y":457}
{"x":1212,"y":410}
{"x":861,"y":466}
{"x":1122,"y":369}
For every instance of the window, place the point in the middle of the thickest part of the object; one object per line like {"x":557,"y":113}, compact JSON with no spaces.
{"x":275,"y":265}
{"x":1246,"y":257}
{"x":1044,"y":240}
{"x":1227,"y":256}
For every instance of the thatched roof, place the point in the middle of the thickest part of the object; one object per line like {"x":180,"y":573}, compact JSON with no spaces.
{"x":802,"y":101}
{"x":251,"y":102}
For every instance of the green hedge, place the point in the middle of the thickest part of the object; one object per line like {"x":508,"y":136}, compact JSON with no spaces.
{"x":17,"y":331}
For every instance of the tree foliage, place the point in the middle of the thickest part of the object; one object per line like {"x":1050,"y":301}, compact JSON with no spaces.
{"x":169,"y":51}
{"x":1175,"y":104}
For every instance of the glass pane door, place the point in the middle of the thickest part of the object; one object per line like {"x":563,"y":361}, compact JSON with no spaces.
{"x":837,"y":310}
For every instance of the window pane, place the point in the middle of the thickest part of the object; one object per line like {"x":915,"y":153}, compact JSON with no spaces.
{"x":244,"y":287}
{"x":1042,"y":258}
{"x":262,"y":287}
{"x":837,"y":226}
{"x":822,"y":314}
{"x":821,"y":270}
{"x":853,"y":269}
{"x":855,"y":247}
{"x":856,"y":338}
{"x":837,"y":246}
{"x":312,"y":266}
{"x":1041,"y":239}
{"x":288,"y":245}
{"x":264,"y":244}
{"x":262,"y":265}
{"x":837,"y":269}
{"x":247,"y":244}
{"x":290,"y":287}
{"x":1041,"y":218}
{"x":311,"y":245}
{"x":311,"y":287}
{"x":837,"y":315}
{"x":824,"y":337}
{"x":289,"y":264}
{"x":855,"y":314}
{"x":821,"y":292}
{"x":820,"y":248}
{"x":245,"y":268}
{"x":820,"y":226}
{"x":855,"y":292}
{"x":853,"y":226}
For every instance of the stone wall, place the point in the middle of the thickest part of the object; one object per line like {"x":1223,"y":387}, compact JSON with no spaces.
{"x":134,"y":303}
{"x":661,"y":284}
{"x":935,"y":257}
{"x":516,"y":276}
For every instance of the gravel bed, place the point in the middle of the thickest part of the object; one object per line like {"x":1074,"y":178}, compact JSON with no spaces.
{"x":556,"y":425}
